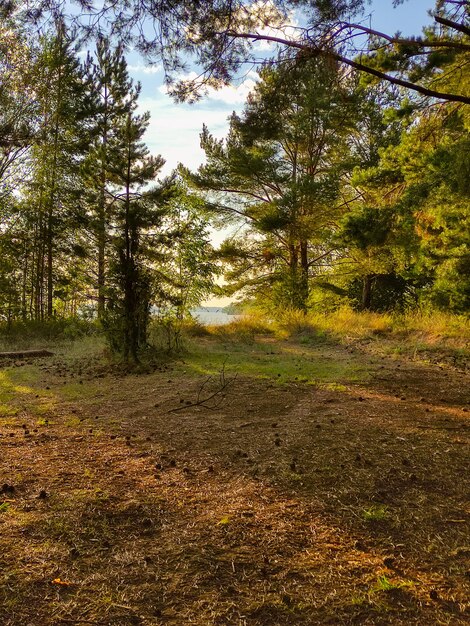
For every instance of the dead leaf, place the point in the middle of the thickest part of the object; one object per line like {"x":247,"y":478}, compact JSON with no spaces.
{"x":60,"y":582}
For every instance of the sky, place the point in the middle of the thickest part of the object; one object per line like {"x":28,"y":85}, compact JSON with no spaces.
{"x":175,"y":128}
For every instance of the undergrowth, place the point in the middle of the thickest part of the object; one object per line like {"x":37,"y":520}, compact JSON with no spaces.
{"x":35,"y":333}
{"x":346,"y":324}
{"x":415,"y":333}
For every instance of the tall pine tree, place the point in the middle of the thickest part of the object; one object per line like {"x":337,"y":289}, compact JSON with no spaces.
{"x":61,"y":141}
{"x":279,"y":171}
{"x":135,"y":211}
{"x":112,"y":97}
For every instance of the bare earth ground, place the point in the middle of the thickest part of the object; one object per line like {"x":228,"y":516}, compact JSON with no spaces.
{"x":341,"y":502}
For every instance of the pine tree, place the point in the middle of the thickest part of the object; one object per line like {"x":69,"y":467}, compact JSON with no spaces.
{"x":61,"y":141}
{"x":279,"y":171}
{"x":112,"y":97}
{"x":135,"y":210}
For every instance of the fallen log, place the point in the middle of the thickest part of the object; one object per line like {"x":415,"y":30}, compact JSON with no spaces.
{"x":24,"y":354}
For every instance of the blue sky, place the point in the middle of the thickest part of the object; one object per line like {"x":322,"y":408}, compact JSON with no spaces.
{"x":174,"y":128}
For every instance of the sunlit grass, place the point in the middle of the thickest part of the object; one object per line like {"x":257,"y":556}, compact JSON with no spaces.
{"x":278,"y":361}
{"x":435,"y":325}
{"x":375,"y":513}
{"x":413,"y":333}
{"x":10,"y":386}
{"x":78,"y":391}
{"x":343,"y":322}
{"x":245,"y":327}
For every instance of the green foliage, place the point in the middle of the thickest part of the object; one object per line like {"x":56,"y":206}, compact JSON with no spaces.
{"x":65,"y":329}
{"x":189,"y":267}
{"x":279,"y":173}
{"x":111,"y":97}
{"x":375,"y":513}
{"x":129,"y":294}
{"x":343,"y":190}
{"x":219,"y":36}
{"x":367,"y":227}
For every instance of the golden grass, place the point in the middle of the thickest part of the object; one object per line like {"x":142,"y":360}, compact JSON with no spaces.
{"x":345,"y":323}
{"x":438,"y":325}
{"x":245,"y":327}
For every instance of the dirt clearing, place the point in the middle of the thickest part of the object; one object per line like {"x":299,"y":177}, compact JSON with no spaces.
{"x":289,"y":498}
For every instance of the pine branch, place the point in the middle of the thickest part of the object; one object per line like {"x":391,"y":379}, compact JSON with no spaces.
{"x":314,"y":51}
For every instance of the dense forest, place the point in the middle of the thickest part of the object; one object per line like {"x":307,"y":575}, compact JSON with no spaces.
{"x":343,"y":185}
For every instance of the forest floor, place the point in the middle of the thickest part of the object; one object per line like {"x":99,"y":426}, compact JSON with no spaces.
{"x":322,"y":483}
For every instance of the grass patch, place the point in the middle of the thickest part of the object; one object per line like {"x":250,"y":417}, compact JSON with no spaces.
{"x":345,"y":323}
{"x":244,"y":328}
{"x":78,"y":391}
{"x":33,"y":332}
{"x":385,"y":584}
{"x":376,"y":513}
{"x":280,"y":361}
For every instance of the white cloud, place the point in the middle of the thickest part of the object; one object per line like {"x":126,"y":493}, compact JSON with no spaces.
{"x":228,"y":94}
{"x":174,"y":129}
{"x":269,"y":21}
{"x":141,"y":68}
{"x":231,"y":94}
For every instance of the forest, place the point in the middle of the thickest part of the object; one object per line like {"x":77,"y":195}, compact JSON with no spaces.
{"x":306,"y":462}
{"x":342,"y":189}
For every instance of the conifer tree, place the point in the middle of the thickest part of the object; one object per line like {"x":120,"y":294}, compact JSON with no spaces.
{"x":61,"y":141}
{"x":135,"y":210}
{"x":279,"y":171}
{"x":111,"y":98}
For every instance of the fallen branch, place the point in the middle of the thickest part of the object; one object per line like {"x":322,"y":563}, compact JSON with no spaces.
{"x":202,"y":401}
{"x":24,"y":354}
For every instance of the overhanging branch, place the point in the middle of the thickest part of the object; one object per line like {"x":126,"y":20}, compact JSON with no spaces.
{"x":418,"y":42}
{"x":317,"y":51}
{"x":454,"y":25}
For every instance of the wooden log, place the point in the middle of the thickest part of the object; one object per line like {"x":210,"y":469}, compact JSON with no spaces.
{"x":25,"y":354}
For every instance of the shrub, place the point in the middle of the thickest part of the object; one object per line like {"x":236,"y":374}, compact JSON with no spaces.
{"x":32,"y":331}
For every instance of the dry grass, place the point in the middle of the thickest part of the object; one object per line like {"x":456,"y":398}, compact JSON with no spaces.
{"x":244,"y":328}
{"x":439,"y":338}
{"x":346,"y":323}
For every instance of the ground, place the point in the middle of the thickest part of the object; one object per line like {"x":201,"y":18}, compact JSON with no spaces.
{"x":268,"y":482}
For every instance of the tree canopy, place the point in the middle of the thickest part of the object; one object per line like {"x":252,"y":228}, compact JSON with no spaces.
{"x":345,"y":175}
{"x":220,"y":36}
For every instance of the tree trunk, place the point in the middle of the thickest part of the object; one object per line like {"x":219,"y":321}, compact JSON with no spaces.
{"x":24,"y":279}
{"x":102,"y":222}
{"x":293,"y":275}
{"x":50,"y":258}
{"x":52,"y":196}
{"x":367,"y":284}
{"x":303,"y":287}
{"x":101,"y":262}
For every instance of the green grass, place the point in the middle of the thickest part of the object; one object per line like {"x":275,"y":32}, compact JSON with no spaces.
{"x":385,"y":584}
{"x":76,"y":391}
{"x":345,"y":323}
{"x":429,"y":337}
{"x":34,"y":334}
{"x":281,"y":361}
{"x":375,"y":513}
{"x":14,"y":383}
